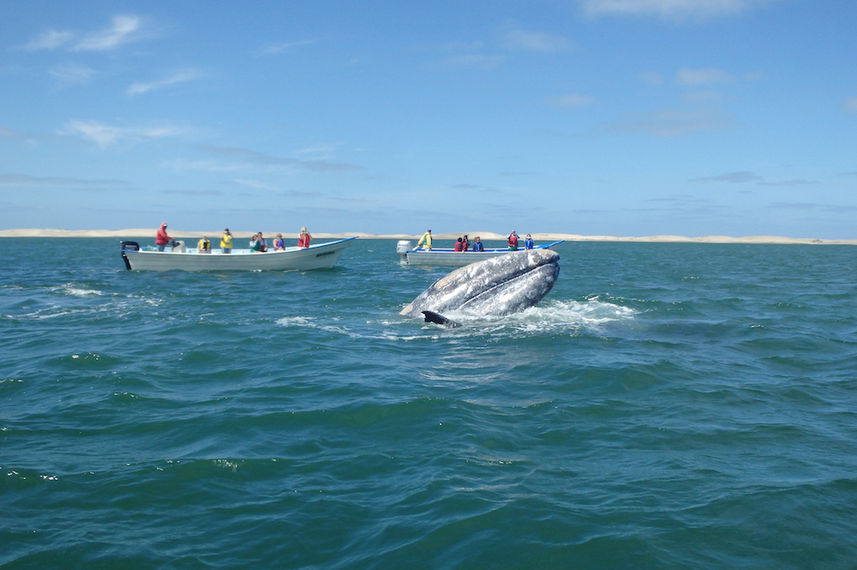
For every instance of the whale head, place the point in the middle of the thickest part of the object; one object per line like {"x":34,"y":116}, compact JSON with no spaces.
{"x":493,"y":287}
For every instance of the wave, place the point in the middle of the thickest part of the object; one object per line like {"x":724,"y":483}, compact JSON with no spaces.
{"x":591,"y":315}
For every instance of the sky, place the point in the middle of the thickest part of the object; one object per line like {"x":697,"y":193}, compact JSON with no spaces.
{"x":593,"y":117}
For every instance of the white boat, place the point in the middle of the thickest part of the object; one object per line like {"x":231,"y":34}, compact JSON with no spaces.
{"x":448,"y":256}
{"x":316,"y":256}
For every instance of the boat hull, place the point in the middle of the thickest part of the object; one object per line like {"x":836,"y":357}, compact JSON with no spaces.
{"x":458,"y":258}
{"x":320,"y":256}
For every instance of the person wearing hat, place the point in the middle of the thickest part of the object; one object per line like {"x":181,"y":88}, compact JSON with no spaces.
{"x":162,"y":239}
{"x":305,"y":238}
{"x":226,"y":241}
{"x":426,"y":239}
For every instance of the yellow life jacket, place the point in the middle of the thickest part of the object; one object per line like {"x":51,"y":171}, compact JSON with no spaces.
{"x":426,"y":239}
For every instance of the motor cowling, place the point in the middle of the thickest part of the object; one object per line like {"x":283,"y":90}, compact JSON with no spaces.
{"x":402,"y":248}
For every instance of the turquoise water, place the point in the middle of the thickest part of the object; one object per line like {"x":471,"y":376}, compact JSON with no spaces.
{"x":665,"y":406}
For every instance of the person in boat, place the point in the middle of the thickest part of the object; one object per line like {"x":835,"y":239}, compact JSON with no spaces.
{"x":204,"y":245}
{"x":513,"y":241}
{"x":465,"y":243}
{"x":477,"y":244}
{"x":305,"y":238}
{"x":226,"y":241}
{"x":279,"y":244}
{"x":162,"y":239}
{"x":528,"y":243}
{"x":425,"y":240}
{"x":257,"y":243}
{"x":459,"y":245}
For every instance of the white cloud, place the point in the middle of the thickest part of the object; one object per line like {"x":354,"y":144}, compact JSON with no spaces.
{"x":669,"y":9}
{"x":258,"y":185}
{"x":121,"y":31}
{"x":276,"y":162}
{"x":698,"y":77}
{"x":105,"y":135}
{"x":702,"y":97}
{"x":70,"y":73}
{"x":99,"y":133}
{"x":530,"y":40}
{"x":28,"y":181}
{"x":651,"y":78}
{"x":204,"y":165}
{"x":283,"y":47}
{"x":737,"y":177}
{"x":672,"y":123}
{"x":747,"y":177}
{"x":175,"y":78}
{"x":50,"y":39}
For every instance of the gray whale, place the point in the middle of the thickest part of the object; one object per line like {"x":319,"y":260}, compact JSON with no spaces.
{"x":493,"y":287}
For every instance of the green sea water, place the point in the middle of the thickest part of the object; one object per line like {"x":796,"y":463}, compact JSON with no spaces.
{"x":665,"y":406}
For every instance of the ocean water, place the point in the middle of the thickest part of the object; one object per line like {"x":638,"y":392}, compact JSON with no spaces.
{"x":665,"y":406}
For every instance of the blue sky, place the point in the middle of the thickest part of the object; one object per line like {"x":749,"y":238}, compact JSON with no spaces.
{"x":596,"y":117}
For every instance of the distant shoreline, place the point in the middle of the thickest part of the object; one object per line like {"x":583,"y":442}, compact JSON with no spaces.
{"x":149,"y":233}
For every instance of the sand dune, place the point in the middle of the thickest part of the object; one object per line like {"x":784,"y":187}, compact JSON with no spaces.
{"x":149,"y":233}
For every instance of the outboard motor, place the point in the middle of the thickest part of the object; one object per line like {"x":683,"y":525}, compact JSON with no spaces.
{"x":402,"y":248}
{"x":178,"y":246}
{"x":128,"y":246}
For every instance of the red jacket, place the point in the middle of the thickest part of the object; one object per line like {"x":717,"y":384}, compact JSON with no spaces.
{"x":162,"y":238}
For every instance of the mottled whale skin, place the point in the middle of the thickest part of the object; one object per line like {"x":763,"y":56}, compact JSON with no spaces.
{"x":494,"y":287}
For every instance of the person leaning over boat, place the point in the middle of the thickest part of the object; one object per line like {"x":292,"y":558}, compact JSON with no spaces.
{"x":305,"y":238}
{"x":425,"y":240}
{"x":204,"y":245}
{"x":477,"y":244}
{"x":162,"y":239}
{"x":528,"y":243}
{"x":513,"y":241}
{"x":226,"y":241}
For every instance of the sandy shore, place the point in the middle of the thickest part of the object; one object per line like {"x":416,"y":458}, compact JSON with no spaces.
{"x":149,"y":233}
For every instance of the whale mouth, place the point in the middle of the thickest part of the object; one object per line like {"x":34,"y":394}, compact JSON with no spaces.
{"x":494,"y":287}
